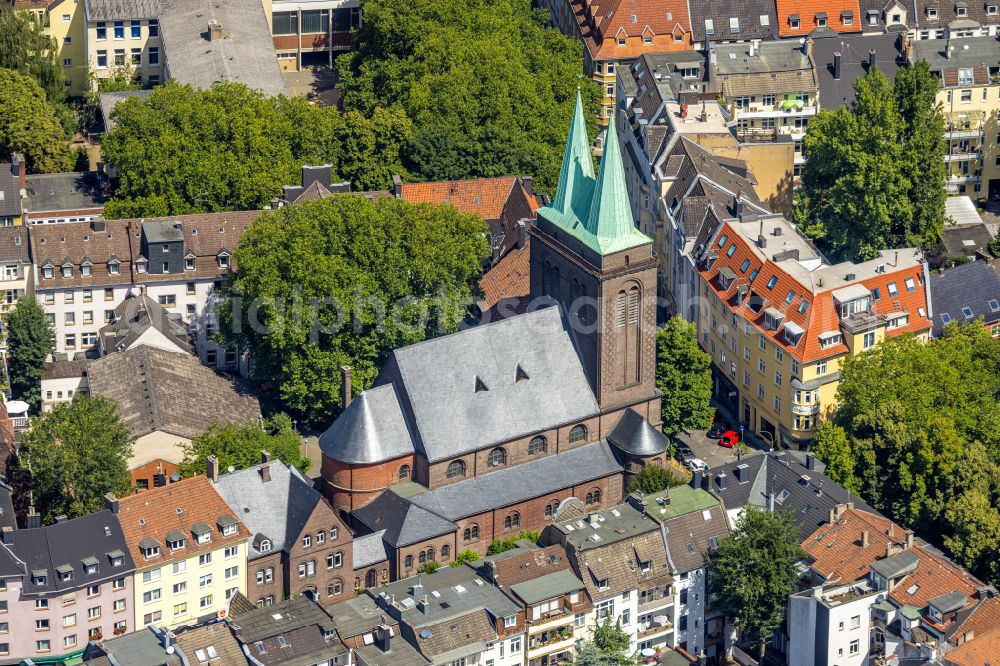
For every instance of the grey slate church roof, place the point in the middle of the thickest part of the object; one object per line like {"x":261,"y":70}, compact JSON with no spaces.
{"x":277,"y":509}
{"x":403,"y":523}
{"x":636,"y":436}
{"x":464,"y":392}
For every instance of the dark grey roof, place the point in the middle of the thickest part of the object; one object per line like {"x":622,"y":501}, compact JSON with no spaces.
{"x":971,"y":286}
{"x":854,"y":50}
{"x":14,"y":244}
{"x":896,"y":565}
{"x":109,"y":100}
{"x":967,"y":52}
{"x":133,"y":317}
{"x":7,"y":517}
{"x":142,"y":648}
{"x":67,"y":544}
{"x":400,"y":653}
{"x":403,"y":523}
{"x":52,"y":192}
{"x":963,"y":240}
{"x":747,"y":12}
{"x":356,"y":616}
{"x":162,"y":230}
{"x":946,"y":603}
{"x":294,"y":613}
{"x":808,"y":491}
{"x":10,"y":192}
{"x":449,"y":602}
{"x":278,"y":508}
{"x":636,"y":436}
{"x":368,"y":550}
{"x":547,"y":586}
{"x":108,"y":10}
{"x":440,"y":401}
{"x":371,"y":429}
{"x":520,"y":482}
{"x":64,"y":369}
{"x":243,"y":54}
{"x":946,"y":14}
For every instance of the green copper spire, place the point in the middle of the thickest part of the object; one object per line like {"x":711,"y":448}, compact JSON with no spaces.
{"x":576,"y":179}
{"x":610,"y":219}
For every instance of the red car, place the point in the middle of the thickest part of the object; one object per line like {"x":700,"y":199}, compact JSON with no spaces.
{"x":730,"y":438}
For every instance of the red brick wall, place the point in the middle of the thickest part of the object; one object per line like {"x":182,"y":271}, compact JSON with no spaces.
{"x":402,"y":571}
{"x":359,"y":577}
{"x":258,"y":592}
{"x":324,"y":519}
{"x":350,"y":487}
{"x":147,"y":471}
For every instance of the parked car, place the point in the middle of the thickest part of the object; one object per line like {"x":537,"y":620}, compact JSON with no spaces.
{"x":729,"y":439}
{"x":697,"y":464}
{"x":684,"y":452}
{"x":716,"y":431}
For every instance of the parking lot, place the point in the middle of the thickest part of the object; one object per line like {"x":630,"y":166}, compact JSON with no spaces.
{"x":708,"y":449}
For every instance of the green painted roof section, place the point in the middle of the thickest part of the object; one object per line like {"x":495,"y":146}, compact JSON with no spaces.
{"x":683,"y":500}
{"x":596,"y":212}
{"x":910,"y":612}
{"x":548,"y":586}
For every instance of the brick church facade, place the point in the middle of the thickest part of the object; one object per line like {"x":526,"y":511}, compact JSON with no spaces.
{"x":483,"y":434}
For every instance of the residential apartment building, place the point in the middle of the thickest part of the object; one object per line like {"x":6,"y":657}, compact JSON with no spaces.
{"x":52,"y":198}
{"x":831,"y":624}
{"x":190,"y":552}
{"x":312,"y":32}
{"x":118,"y":36}
{"x":616,"y":33}
{"x":769,"y":89}
{"x":799,"y":19}
{"x":553,"y":598}
{"x":964,"y":294}
{"x":969,"y":72}
{"x":426,"y":608}
{"x":930,"y":19}
{"x":17,"y":278}
{"x":299,"y":544}
{"x":62,"y":586}
{"x":777,"y":320}
{"x":12,"y":182}
{"x":715,"y":21}
{"x":85,"y":270}
{"x":620,"y":555}
{"x":297,"y":626}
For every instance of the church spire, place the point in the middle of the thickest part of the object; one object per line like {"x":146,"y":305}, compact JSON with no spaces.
{"x":577,"y":175}
{"x":610,"y":218}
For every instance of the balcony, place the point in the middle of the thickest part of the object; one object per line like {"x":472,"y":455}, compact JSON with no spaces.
{"x":554,"y":640}
{"x":655,"y":601}
{"x":551,"y":620}
{"x":756,"y":134}
{"x":963,"y":154}
{"x":658,"y":626}
{"x":782,"y":109}
{"x":805,"y":410}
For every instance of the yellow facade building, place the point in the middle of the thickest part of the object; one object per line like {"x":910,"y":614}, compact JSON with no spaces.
{"x":778,"y":321}
{"x":190,"y":552}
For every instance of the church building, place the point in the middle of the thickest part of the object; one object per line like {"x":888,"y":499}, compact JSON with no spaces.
{"x":482,"y":434}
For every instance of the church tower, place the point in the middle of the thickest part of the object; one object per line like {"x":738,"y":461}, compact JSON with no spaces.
{"x":588,"y":255}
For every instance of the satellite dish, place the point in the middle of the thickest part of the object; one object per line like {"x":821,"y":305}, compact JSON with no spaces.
{"x":170,"y":649}
{"x":231,"y":469}
{"x":425,"y":633}
{"x":175,"y":477}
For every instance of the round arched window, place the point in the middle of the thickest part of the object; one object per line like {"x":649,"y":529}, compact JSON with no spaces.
{"x":404,"y":472}
{"x":456,"y":468}
{"x":497,"y":458}
{"x":578,"y":434}
{"x":537,"y":445}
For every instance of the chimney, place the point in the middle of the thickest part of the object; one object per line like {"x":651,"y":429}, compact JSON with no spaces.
{"x":810,"y":462}
{"x":808,"y":47}
{"x":382,"y":637}
{"x":871,"y":58}
{"x":7,"y":535}
{"x":265,"y":456}
{"x":721,"y":480}
{"x":98,"y":225}
{"x":214,"y":31}
{"x":909,"y":540}
{"x":836,"y":65}
{"x":528,"y":183}
{"x":418,"y":587}
{"x":111,"y":503}
{"x":949,"y":51}
{"x":696,"y":478}
{"x":345,"y":386}
{"x":212,"y":468}
{"x":833,"y":515}
{"x":62,"y":518}
{"x":864,"y":538}
{"x":32,"y":520}
{"x":770,"y":502}
{"x":522,"y":233}
{"x":891,"y":532}
{"x":397,"y":186}
{"x":761,"y":241}
{"x":737,"y":205}
{"x":423,"y":606}
{"x":265,"y":473}
{"x":19,"y":170}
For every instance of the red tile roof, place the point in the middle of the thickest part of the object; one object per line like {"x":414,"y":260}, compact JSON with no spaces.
{"x":508,"y":281}
{"x":177,"y":506}
{"x":486,"y":197}
{"x":601,"y":22}
{"x":977,"y":652}
{"x":820,"y":313}
{"x":807,"y":11}
{"x":983,"y":619}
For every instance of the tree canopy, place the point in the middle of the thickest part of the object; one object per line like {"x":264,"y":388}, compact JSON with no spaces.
{"x":489,"y":88}
{"x":752,"y":572}
{"x":240,"y":444}
{"x":343,"y":281}
{"x":180,"y":150}
{"x":29,"y":340}
{"x":609,"y":647}
{"x":875,"y":173}
{"x":917,"y":434}
{"x":654,"y":479}
{"x":684,"y":374}
{"x":76,"y":453}
{"x":30,"y":124}
{"x":26,"y":48}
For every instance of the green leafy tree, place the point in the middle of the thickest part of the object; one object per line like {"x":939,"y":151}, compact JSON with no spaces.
{"x":488,"y":86}
{"x":76,"y":454}
{"x":344,"y":281}
{"x":831,"y":446}
{"x":239,"y":445}
{"x":467,"y":555}
{"x":29,"y":341}
{"x":752,"y":572}
{"x":29,"y":124}
{"x":181,"y":150}
{"x":608,"y":647}
{"x":921,"y":438}
{"x":684,"y":374}
{"x":880,"y":160}
{"x":26,"y":48}
{"x":510,"y":543}
{"x":429,"y":567}
{"x":654,"y":479}
{"x":118,"y":78}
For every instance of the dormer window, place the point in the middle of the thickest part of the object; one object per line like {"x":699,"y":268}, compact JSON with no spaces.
{"x":48,"y":272}
{"x":821,"y":19}
{"x":830,"y":339}
{"x":265,"y":546}
{"x":603,"y":584}
{"x":150,"y":548}
{"x":793,"y":333}
{"x":141,"y":265}
{"x":961,"y":9}
{"x":67,"y":270}
{"x":189,"y":262}
{"x":793,"y":21}
{"x":932,"y":12}
{"x":726,"y":278}
{"x":39,"y":577}
{"x":114,"y":267}
{"x":773,"y":318}
{"x":117,"y":558}
{"x":90,"y":566}
{"x":176,"y":540}
{"x":223,"y":260}
{"x":65,"y":572}
{"x":226,"y":525}
{"x":86,"y":268}
{"x":991,"y":10}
